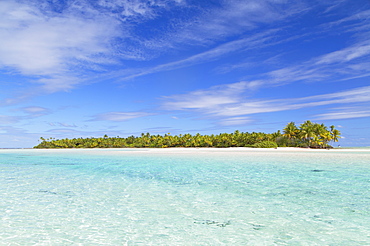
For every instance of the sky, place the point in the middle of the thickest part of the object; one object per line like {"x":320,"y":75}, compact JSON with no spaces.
{"x":86,"y":68}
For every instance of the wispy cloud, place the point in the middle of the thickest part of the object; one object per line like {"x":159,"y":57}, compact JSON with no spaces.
{"x":136,"y":8}
{"x":206,"y":99}
{"x":6,"y":119}
{"x":34,"y":110}
{"x":51,"y":47}
{"x":27,"y":113}
{"x":61,"y":45}
{"x":54,"y":44}
{"x":62,"y":124}
{"x":347,"y":63}
{"x":233,"y":17}
{"x":120,"y":116}
{"x":357,"y":23}
{"x":345,"y":55}
{"x":235,"y":121}
{"x":345,"y":113}
{"x":256,"y":41}
{"x":35,"y":42}
{"x":51,"y":39}
{"x":227,"y":103}
{"x":358,"y":95}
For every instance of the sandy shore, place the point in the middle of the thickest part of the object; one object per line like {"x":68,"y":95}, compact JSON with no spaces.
{"x":244,"y":149}
{"x":238,"y":150}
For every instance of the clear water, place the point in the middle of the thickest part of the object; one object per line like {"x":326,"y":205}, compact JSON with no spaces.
{"x":197,"y":197}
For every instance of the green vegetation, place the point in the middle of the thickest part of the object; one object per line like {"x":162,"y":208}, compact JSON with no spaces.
{"x":265,"y":144}
{"x":307,"y":134}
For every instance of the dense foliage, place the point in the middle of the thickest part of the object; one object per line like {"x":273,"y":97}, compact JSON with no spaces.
{"x":307,"y":135}
{"x":265,"y":144}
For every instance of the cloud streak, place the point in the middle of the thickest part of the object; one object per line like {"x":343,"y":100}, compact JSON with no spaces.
{"x":120,"y":116}
{"x":227,"y":103}
{"x":234,"y":17}
{"x":28,"y":113}
{"x":54,"y":44}
{"x":345,"y":113}
{"x":254,"y":42}
{"x":51,"y":47}
{"x":348,"y":62}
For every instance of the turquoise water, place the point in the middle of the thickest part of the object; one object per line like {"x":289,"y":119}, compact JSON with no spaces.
{"x":185,"y":197}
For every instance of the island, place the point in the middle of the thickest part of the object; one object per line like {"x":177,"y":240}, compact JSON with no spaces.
{"x":306,"y":135}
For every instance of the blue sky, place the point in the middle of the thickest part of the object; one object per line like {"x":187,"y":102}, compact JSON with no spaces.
{"x":85,"y":68}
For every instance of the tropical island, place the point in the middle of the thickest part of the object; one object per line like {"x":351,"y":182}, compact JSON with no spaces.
{"x":306,"y":135}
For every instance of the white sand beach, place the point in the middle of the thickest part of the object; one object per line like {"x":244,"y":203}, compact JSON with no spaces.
{"x":193,"y":151}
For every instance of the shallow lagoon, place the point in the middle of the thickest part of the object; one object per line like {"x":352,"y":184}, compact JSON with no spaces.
{"x":185,"y":197}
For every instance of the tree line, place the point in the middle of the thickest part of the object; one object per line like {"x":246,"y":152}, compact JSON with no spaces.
{"x":307,"y":134}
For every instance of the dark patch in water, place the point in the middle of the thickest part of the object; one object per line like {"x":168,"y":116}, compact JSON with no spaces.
{"x":67,"y":193}
{"x":257,"y":227}
{"x":319,"y":218}
{"x":213,"y":222}
{"x":55,"y":164}
{"x":317,"y":170}
{"x":65,"y":164}
{"x":156,"y":176}
{"x":48,"y":192}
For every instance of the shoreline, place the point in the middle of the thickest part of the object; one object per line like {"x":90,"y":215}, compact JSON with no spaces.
{"x":194,"y":150}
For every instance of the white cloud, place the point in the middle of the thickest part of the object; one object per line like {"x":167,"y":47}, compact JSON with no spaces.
{"x":235,"y":121}
{"x":358,"y":95}
{"x":6,"y":119}
{"x":120,"y":116}
{"x":345,"y":55}
{"x":344,"y":114}
{"x":206,"y":99}
{"x":53,"y":47}
{"x":348,"y":62}
{"x":233,"y":17}
{"x":136,"y":8}
{"x":66,"y":131}
{"x":345,"y":64}
{"x":29,"y":113}
{"x":47,"y":45}
{"x":36,"y":43}
{"x":253,"y":42}
{"x":34,"y":110}
{"x":364,"y":15}
{"x":128,"y":8}
{"x":57,"y":83}
{"x":61,"y":124}
{"x":225,"y":101}
{"x":217,"y":22}
{"x":251,"y":107}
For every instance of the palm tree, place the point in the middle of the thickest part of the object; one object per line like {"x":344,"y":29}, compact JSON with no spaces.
{"x":306,"y":131}
{"x":335,"y":134}
{"x":291,"y":132}
{"x":326,"y":138}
